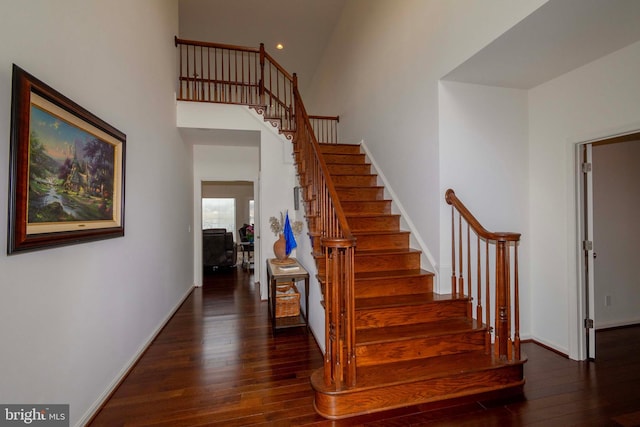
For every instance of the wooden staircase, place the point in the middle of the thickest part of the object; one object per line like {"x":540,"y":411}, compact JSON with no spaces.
{"x":390,"y":341}
{"x":412,"y":346}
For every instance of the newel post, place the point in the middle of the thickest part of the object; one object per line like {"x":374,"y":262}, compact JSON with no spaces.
{"x":502,"y":299}
{"x":340,"y":356}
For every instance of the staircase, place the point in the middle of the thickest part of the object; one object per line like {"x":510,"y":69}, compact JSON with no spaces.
{"x":412,"y":346}
{"x":390,"y":341}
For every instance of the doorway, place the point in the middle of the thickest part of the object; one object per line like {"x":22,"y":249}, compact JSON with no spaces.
{"x":227,"y":205}
{"x":609,"y":236}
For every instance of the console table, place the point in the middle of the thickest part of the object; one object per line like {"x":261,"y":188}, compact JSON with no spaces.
{"x":285,"y":273}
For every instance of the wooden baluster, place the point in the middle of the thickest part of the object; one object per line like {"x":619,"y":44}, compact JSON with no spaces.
{"x":470,"y":303}
{"x":201,"y":73}
{"x":235,"y":70}
{"x":460,"y":271}
{"x":501,"y":302}
{"x":209,"y":74}
{"x":453,"y":251}
{"x":188,"y":78}
{"x":351,"y":315}
{"x":516,"y":303}
{"x":479,"y":286}
{"x":507,"y":253}
{"x":215,"y":75}
{"x":195,"y":74}
{"x":261,"y":84}
{"x":487,"y":299}
{"x":328,"y":327}
{"x":183,"y":84}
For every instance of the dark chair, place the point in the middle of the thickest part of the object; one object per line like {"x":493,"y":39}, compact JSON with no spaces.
{"x":218,"y":249}
{"x":246,"y":246}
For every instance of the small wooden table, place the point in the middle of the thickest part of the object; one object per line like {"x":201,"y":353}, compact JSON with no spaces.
{"x":291,"y":272}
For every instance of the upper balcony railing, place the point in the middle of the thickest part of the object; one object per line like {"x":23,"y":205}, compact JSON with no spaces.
{"x":227,"y":74}
{"x":212,"y":72}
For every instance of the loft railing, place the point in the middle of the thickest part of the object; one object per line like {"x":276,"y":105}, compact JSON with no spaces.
{"x":472,"y":250}
{"x":212,"y":72}
{"x":227,"y":74}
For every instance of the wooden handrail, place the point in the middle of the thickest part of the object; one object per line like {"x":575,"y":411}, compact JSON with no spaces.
{"x":179,"y":41}
{"x":214,"y":72}
{"x":452,"y":199}
{"x":505,"y":325}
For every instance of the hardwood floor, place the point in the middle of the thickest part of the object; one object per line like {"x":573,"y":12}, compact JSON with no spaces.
{"x":217,"y":364}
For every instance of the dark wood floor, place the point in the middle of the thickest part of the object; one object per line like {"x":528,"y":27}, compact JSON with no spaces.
{"x":216,"y":363}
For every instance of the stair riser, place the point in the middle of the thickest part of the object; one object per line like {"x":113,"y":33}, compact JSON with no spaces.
{"x":336,"y":406}
{"x":360,"y":194}
{"x":382,"y":262}
{"x":392,"y":286}
{"x":340,"y":158}
{"x":419,"y":348}
{"x":387,"y":262}
{"x":349,"y":169}
{"x":339,"y":148}
{"x":368,"y":207}
{"x":374,"y":223}
{"x":355,"y":180}
{"x":396,"y":316}
{"x":398,"y":240}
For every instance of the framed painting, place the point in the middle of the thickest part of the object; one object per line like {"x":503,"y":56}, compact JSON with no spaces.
{"x":66,"y":174}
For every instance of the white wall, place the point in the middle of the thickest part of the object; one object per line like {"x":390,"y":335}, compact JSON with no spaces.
{"x":484,"y":145}
{"x":73,"y":318}
{"x":597,"y":100}
{"x":380,"y":73}
{"x":616,"y":236}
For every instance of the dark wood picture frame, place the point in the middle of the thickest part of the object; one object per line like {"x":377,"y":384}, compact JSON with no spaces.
{"x":66,"y":172}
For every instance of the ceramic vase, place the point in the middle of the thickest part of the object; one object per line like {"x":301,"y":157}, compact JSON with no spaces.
{"x":280,"y":248}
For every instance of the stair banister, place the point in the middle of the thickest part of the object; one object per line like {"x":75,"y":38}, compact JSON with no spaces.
{"x":339,"y":244}
{"x":506,"y":344}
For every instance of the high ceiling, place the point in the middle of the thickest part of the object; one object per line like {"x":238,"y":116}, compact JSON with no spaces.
{"x":560,"y":36}
{"x":302,"y":26}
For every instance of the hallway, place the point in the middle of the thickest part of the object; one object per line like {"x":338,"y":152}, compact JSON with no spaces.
{"x":216,"y":364}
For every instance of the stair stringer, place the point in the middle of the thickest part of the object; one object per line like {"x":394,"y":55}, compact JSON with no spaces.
{"x":427,"y":260}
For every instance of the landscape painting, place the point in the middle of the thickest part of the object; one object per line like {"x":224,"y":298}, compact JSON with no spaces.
{"x":66,"y":173}
{"x":70,"y":172}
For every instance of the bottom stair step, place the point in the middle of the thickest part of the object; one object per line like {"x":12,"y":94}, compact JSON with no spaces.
{"x":400,"y":384}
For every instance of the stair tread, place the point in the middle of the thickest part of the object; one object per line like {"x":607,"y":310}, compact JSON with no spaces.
{"x":358,"y":187}
{"x":403,"y":300}
{"x":354,"y":214}
{"x":329,"y":162}
{"x":368,"y":252}
{"x":365,"y":201}
{"x":354,"y":174}
{"x":391,"y":274}
{"x":417,"y":330}
{"x":369,"y":215}
{"x":379,"y":232}
{"x":409,"y":371}
{"x":386,"y":274}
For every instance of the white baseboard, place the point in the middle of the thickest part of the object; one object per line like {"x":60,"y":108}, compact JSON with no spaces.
{"x":616,"y":323}
{"x":97,"y":405}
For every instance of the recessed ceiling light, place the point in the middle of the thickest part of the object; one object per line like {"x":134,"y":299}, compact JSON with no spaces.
{"x":279,"y":46}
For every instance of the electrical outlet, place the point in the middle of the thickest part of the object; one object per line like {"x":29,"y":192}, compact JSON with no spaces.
{"x":607,"y":300}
